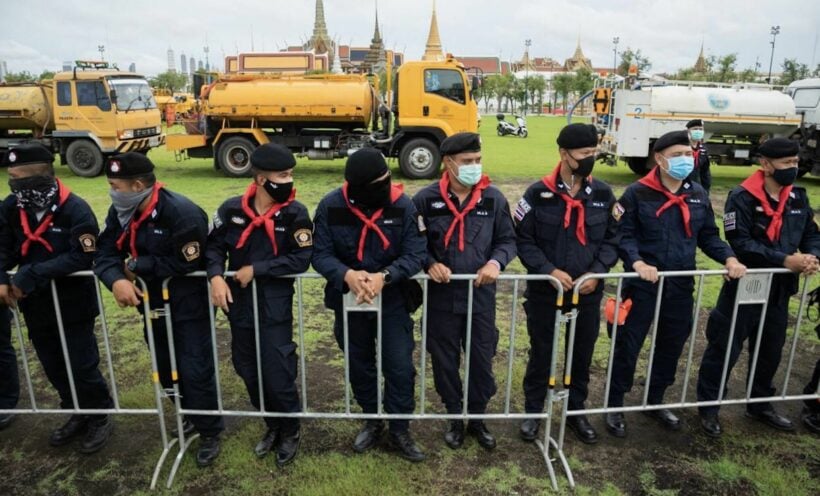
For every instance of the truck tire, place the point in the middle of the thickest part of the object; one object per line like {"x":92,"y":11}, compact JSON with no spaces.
{"x":640,"y":165}
{"x":84,"y":158}
{"x":234,"y":156}
{"x":419,"y":159}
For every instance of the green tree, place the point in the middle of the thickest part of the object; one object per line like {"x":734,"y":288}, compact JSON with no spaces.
{"x":563,"y":85}
{"x":724,"y":70}
{"x":46,"y":75}
{"x":489,"y":86}
{"x":631,"y":57}
{"x":793,"y":71}
{"x":537,"y":87}
{"x":170,"y":80}
{"x":20,"y":77}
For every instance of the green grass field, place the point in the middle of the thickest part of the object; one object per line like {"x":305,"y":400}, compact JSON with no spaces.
{"x":747,"y":460}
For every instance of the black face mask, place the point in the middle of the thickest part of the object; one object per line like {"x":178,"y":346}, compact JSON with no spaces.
{"x":35,"y":192}
{"x":585,"y":166}
{"x":372,"y":195}
{"x":785,"y":177}
{"x":279,"y":192}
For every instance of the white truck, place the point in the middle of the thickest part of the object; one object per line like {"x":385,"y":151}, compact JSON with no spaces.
{"x":806,"y":95}
{"x":736,"y":118}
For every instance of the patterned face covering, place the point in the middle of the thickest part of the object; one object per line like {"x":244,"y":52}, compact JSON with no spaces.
{"x":34,"y":192}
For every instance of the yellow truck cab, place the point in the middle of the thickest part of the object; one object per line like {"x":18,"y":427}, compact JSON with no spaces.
{"x":83,"y":115}
{"x":329,"y":116}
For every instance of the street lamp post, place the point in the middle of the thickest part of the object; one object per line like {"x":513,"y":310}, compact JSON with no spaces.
{"x":775,"y":31}
{"x":101,"y":49}
{"x":527,"y":44}
{"x":615,"y":41}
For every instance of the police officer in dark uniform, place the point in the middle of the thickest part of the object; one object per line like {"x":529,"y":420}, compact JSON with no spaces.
{"x":702,"y":172}
{"x":567,"y":227}
{"x":263,"y":234}
{"x":665,"y":219}
{"x":9,"y":380}
{"x":769,"y":223}
{"x":469,"y":231}
{"x":154,"y":234}
{"x":48,"y":233}
{"x":368,"y":241}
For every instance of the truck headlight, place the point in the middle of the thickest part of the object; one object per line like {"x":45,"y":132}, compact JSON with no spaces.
{"x":159,"y":129}
{"x":127,"y":134}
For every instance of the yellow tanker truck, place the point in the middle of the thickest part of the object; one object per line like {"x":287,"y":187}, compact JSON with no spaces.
{"x":83,"y":115}
{"x":330,"y":116}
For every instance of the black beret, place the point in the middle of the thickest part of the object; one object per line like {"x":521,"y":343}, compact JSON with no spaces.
{"x":778,"y":148}
{"x":128,"y":166}
{"x":365,"y":166}
{"x":578,"y":136}
{"x":694,"y":123}
{"x":670,"y":139}
{"x":28,"y":153}
{"x":272,"y":157}
{"x":461,"y":143}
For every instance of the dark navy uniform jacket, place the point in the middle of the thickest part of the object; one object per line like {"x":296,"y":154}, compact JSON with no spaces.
{"x":73,"y":238}
{"x":702,"y":173}
{"x":488,"y":233}
{"x":293,"y":231}
{"x":745,"y":225}
{"x":544,"y":244}
{"x":169,"y":243}
{"x":662,"y":241}
{"x":336,"y":244}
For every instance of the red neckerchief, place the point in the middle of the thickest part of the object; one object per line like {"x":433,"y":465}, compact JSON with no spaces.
{"x":396,"y":191}
{"x":652,"y":181}
{"x":696,"y":154}
{"x":131,"y":230}
{"x":754,"y":185}
{"x":37,"y":235}
{"x":551,"y":182}
{"x":261,"y":220}
{"x":458,"y":217}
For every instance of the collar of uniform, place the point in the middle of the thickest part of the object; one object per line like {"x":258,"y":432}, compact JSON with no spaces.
{"x":585,"y":191}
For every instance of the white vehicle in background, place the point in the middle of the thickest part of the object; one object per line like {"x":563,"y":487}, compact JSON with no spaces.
{"x":806,"y":95}
{"x":737,"y":118}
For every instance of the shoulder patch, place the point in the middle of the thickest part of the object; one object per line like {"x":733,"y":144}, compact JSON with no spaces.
{"x":420,"y":223}
{"x":521,"y":209}
{"x":618,"y":211}
{"x":217,"y":220}
{"x":303,"y":237}
{"x":191,"y":251}
{"x":729,"y":221}
{"x":88,"y":242}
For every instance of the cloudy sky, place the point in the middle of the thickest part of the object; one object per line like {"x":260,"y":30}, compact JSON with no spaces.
{"x":40,"y":34}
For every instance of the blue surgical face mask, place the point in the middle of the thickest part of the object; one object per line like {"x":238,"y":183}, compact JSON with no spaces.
{"x":680,"y":167}
{"x":469,"y":175}
{"x":696,"y":134}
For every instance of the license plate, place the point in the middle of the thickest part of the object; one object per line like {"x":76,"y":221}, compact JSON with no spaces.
{"x":741,"y":153}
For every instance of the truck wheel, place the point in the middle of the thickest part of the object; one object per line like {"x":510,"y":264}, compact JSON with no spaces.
{"x":235,"y":156}
{"x":640,"y":165}
{"x":419,"y":159}
{"x":84,"y":158}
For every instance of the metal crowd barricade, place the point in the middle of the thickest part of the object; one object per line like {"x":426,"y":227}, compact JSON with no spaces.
{"x":753,"y":289}
{"x":35,"y":409}
{"x":421,"y":412}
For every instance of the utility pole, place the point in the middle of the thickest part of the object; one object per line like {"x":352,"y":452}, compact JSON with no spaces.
{"x":527,"y":44}
{"x":775,"y":31}
{"x":615,"y":41}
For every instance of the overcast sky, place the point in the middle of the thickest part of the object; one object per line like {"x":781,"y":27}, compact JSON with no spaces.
{"x":40,"y":34}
